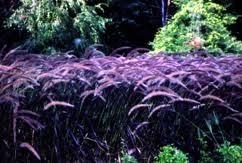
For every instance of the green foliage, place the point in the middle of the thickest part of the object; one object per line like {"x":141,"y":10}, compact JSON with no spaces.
{"x":230,"y":153}
{"x":198,"y":19}
{"x":226,"y":153}
{"x":170,"y":154}
{"x":126,"y":158}
{"x":53,"y":25}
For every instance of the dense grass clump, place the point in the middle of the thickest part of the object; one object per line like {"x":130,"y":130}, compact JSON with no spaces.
{"x":61,"y":108}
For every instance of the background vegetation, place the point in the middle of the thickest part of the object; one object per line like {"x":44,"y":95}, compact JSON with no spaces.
{"x":53,"y":25}
{"x":117,"y":23}
{"x":198,"y":25}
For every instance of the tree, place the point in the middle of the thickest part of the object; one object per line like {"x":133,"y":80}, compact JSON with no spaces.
{"x":53,"y":25}
{"x":198,"y":19}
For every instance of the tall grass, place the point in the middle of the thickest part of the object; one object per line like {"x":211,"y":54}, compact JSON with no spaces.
{"x":62,"y":108}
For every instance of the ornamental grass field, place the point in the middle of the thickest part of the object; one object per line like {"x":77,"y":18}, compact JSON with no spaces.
{"x":62,"y":108}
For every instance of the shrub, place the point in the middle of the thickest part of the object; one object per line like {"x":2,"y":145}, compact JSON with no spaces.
{"x":230,"y":153}
{"x":170,"y":154}
{"x":53,"y":25}
{"x":225,"y":153}
{"x":198,"y":20}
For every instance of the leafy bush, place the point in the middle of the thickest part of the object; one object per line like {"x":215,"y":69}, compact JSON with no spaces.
{"x":170,"y":154}
{"x":200,"y":20}
{"x":53,"y":25}
{"x":230,"y":153}
{"x":225,"y":153}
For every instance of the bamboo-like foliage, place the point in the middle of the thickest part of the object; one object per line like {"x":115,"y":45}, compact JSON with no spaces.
{"x":61,"y":108}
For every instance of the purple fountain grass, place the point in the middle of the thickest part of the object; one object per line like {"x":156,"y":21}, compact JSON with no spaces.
{"x":69,"y":108}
